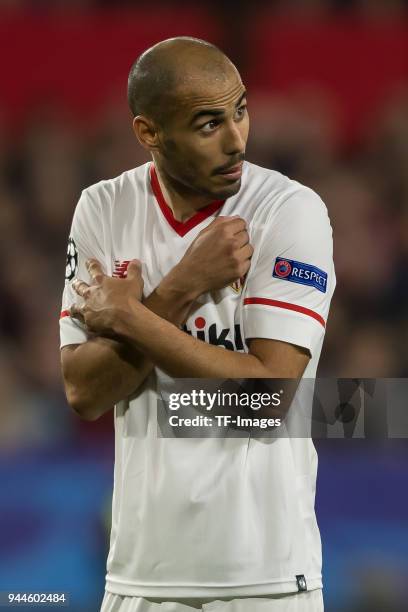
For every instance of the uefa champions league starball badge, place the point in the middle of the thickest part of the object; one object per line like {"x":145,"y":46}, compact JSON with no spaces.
{"x":72,"y":260}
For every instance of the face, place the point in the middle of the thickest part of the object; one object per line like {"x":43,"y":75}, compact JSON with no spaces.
{"x":202,"y":146}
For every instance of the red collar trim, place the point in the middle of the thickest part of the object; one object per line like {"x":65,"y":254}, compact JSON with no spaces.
{"x":178,"y":226}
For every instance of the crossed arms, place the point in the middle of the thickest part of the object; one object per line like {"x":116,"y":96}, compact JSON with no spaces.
{"x":130,"y":335}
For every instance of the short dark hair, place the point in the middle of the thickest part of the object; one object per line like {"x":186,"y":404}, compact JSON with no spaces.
{"x":153,"y":76}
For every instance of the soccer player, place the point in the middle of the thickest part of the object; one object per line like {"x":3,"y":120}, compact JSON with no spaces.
{"x":241,"y":256}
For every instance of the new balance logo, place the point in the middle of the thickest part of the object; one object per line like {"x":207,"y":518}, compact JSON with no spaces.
{"x":120,"y":268}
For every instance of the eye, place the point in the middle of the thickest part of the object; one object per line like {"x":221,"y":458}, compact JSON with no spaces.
{"x":240,"y":112}
{"x":210,"y":126}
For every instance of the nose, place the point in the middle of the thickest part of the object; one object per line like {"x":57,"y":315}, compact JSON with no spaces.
{"x":234,"y":142}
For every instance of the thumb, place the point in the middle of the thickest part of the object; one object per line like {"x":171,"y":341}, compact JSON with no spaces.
{"x":134,"y":269}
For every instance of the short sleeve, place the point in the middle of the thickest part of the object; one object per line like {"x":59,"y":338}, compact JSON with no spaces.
{"x":290,"y":284}
{"x":85,"y":241}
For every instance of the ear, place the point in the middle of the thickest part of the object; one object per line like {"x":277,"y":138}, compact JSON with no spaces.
{"x":146,"y":132}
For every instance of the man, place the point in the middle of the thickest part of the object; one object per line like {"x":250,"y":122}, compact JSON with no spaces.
{"x":222,"y":246}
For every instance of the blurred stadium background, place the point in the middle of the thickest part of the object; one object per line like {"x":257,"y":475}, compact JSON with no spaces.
{"x":328,"y":98}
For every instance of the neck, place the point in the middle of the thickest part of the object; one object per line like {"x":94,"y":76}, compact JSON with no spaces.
{"x":183,"y":202}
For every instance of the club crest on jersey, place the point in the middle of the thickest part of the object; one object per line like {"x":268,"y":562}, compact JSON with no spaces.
{"x":120,"y":268}
{"x":298,"y":272}
{"x":238,"y":284}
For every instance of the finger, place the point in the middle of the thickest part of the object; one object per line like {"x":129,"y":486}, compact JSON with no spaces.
{"x":228,"y":219}
{"x":234,"y":225}
{"x":220,"y":220}
{"x":95,"y":270}
{"x":215,"y":223}
{"x":76,"y":313}
{"x":134,"y":269}
{"x":80,"y":287}
{"x":242,"y":238}
{"x":224,"y":218}
{"x":246,"y":252}
{"x":237,"y":225}
{"x":244,"y":268}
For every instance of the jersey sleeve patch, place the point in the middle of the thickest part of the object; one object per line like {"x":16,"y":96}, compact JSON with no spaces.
{"x":71,"y":266}
{"x":301,"y":273}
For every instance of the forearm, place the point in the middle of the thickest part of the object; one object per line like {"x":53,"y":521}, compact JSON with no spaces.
{"x":181,"y":355}
{"x":104,"y":371}
{"x":99,"y":373}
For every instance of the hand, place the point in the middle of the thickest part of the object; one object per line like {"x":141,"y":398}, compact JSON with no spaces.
{"x":220,"y":255}
{"x":106,"y":299}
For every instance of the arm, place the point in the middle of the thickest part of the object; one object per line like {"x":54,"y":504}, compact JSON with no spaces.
{"x":181,"y":355}
{"x":104,"y":370}
{"x":281,"y":335}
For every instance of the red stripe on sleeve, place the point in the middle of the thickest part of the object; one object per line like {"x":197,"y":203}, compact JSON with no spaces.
{"x":287,"y":305}
{"x":64,"y":313}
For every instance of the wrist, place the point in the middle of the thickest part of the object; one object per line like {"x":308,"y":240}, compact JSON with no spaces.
{"x":178,"y":288}
{"x":126,"y":321}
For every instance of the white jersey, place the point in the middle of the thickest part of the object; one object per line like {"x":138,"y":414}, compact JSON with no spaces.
{"x":213,"y":517}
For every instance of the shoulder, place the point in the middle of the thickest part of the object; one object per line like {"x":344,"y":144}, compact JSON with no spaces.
{"x":100,"y":203}
{"x":103,"y":195}
{"x":279,"y":188}
{"x":282,"y":197}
